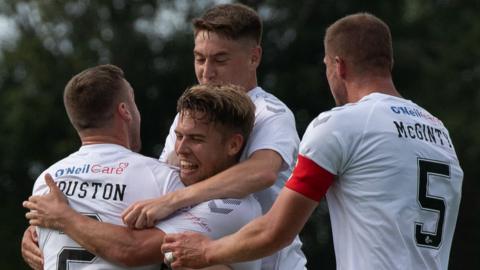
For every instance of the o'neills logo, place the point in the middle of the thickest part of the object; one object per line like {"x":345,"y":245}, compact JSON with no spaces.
{"x":95,"y":168}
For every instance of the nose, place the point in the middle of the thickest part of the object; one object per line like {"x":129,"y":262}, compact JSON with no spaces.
{"x":209,"y":71}
{"x":181,"y":147}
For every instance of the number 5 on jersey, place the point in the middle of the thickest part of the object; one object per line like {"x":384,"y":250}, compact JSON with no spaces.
{"x":430,"y":203}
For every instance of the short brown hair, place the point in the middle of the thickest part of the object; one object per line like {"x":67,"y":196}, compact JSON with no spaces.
{"x":232,"y":21}
{"x":90,"y":96}
{"x":226,"y":104}
{"x":362,"y":39}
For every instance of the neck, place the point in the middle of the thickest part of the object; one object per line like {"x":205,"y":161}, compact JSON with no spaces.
{"x":357,"y":89}
{"x":251,"y":84}
{"x":88,"y":139}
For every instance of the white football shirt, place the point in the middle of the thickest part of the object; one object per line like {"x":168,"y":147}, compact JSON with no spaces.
{"x":102,"y":180}
{"x":274,"y":129}
{"x":216,"y":218}
{"x":395,"y":200}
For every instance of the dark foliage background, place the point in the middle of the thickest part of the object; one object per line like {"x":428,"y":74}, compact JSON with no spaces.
{"x":437,"y":66}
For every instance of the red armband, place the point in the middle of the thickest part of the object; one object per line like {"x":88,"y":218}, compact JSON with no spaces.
{"x":310,"y":179}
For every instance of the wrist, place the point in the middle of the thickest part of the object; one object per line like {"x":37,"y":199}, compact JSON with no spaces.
{"x":68,"y":216}
{"x":212,"y":253}
{"x":181,"y":198}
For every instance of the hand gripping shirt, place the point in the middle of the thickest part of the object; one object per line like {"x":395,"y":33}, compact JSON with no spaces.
{"x":101,"y":181}
{"x":274,"y":129}
{"x":395,"y":198}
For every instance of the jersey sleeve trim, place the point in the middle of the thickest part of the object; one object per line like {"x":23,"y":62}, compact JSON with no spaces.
{"x":309,"y":179}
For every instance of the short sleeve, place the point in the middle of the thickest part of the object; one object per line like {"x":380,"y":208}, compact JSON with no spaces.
{"x":169,"y":146}
{"x":167,"y":177}
{"x":309,"y":179}
{"x":323,"y":143}
{"x":274,"y":130}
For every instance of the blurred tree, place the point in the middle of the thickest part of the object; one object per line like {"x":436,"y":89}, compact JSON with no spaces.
{"x":435,"y":44}
{"x":57,"y":39}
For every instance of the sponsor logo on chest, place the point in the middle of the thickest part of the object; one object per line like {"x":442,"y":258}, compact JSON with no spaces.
{"x":92,"y":168}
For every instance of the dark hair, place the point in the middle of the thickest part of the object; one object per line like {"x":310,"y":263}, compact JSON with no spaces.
{"x":362,"y":39}
{"x":227,"y":105}
{"x":90,"y":96}
{"x":232,"y":21}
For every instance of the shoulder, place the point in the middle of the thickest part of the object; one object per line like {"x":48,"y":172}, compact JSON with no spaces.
{"x":350,"y":117}
{"x":268,"y":105}
{"x":40,"y":187}
{"x":230,"y":214}
{"x":333,"y":132}
{"x":157,"y":168}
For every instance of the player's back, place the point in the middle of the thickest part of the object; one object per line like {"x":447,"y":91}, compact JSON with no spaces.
{"x":395,"y":202}
{"x":100,"y":181}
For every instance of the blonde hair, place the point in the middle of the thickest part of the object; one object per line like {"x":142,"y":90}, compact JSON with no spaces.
{"x":227,"y":105}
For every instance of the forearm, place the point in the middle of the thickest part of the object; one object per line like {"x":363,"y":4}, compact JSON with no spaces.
{"x":266,"y":234}
{"x":254,"y":241}
{"x":114,"y":243}
{"x":255,"y":174}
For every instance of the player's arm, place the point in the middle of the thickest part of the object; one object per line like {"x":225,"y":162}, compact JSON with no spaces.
{"x":114,"y":243}
{"x":265,"y":235}
{"x":254,"y":174}
{"x":258,"y":239}
{"x":31,"y":253}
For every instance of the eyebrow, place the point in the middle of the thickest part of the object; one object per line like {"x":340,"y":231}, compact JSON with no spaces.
{"x":215,"y":55}
{"x":190,"y":135}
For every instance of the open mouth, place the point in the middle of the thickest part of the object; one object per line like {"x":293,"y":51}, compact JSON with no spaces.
{"x":187,"y":167}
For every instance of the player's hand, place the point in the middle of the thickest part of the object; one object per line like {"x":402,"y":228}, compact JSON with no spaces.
{"x":189,"y":250}
{"x":145,"y":214}
{"x":31,"y":253}
{"x":49,"y":210}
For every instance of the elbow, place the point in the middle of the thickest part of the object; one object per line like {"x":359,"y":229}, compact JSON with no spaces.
{"x":267,"y":178}
{"x":285,"y":241}
{"x":282,"y":240}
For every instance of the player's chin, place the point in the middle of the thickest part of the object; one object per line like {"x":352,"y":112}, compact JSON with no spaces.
{"x":189,"y":177}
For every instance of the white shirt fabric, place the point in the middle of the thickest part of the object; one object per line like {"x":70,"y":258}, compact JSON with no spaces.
{"x":101,"y":181}
{"x":274,"y":129}
{"x":396,"y":169}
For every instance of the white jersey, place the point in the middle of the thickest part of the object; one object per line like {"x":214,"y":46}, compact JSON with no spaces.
{"x":394,"y":203}
{"x":274,"y":129}
{"x":101,"y":181}
{"x":216,"y":218}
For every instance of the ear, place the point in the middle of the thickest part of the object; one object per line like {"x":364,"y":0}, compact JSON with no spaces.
{"x":234,"y":144}
{"x":256,"y":56}
{"x":340,"y":67}
{"x":124,"y":111}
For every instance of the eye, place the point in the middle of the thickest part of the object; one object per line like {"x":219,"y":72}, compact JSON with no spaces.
{"x":197,"y":139}
{"x":199,"y":59}
{"x":221,"y":59}
{"x":179,"y":136}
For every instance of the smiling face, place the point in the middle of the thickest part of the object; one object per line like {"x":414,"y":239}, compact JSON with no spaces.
{"x":222,"y":60}
{"x":202,"y":149}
